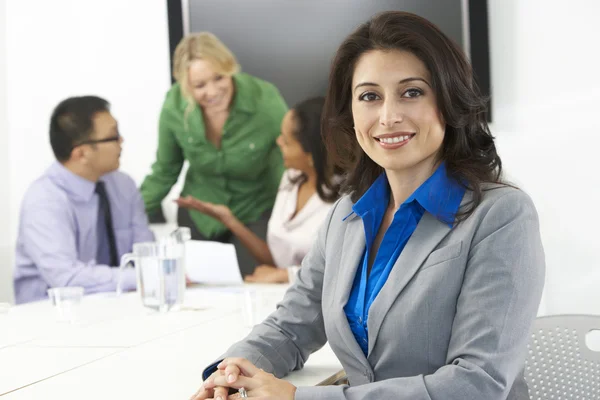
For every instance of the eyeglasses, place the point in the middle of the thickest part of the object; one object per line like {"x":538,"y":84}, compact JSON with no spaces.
{"x":105,"y":140}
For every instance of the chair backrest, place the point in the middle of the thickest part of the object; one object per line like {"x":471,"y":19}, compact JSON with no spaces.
{"x":559,"y":363}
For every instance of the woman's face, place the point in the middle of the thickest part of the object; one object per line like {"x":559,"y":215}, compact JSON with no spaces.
{"x":211,"y":90}
{"x":294,"y":155}
{"x":396,"y":118}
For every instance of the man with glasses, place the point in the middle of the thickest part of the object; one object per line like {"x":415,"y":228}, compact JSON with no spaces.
{"x":79,"y":217}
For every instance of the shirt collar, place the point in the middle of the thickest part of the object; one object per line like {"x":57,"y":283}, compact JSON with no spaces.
{"x":244,"y":97}
{"x":75,"y":186}
{"x":440,"y":195}
{"x":378,"y":194}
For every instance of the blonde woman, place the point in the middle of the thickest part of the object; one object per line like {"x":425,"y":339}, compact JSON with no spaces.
{"x":225,"y":123}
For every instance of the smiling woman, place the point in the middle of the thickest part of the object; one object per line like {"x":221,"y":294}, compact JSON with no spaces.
{"x":395,"y":108}
{"x":426,"y":277}
{"x":225,"y":124}
{"x":427,"y":96}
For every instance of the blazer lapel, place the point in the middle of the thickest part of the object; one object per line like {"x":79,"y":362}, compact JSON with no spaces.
{"x":352,"y":251}
{"x":429,"y":232}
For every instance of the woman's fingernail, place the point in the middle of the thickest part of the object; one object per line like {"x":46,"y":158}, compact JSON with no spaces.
{"x":219,"y":398}
{"x":230,"y":378}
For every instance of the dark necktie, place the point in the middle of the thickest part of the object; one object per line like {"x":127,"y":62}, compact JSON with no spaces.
{"x":105,"y":217}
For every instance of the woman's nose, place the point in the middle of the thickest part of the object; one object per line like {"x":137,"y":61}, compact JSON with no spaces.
{"x":391,"y":114}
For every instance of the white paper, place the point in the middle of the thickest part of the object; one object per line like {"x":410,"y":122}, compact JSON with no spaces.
{"x":211,"y":262}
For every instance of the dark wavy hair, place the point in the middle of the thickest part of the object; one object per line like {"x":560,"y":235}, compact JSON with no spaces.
{"x":468,"y":147}
{"x":307,"y":117}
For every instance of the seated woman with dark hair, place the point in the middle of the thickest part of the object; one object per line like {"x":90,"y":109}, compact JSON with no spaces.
{"x":426,"y":277}
{"x":305,"y":196}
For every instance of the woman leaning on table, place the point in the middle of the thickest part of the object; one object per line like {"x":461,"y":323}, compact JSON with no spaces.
{"x":225,"y":124}
{"x":426,"y":278}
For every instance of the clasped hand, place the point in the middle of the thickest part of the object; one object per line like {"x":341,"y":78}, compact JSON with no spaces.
{"x":239,"y":373}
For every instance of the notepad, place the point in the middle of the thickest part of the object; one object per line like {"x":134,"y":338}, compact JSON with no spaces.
{"x":212,"y":263}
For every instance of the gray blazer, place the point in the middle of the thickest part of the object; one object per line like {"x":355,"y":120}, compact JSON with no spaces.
{"x":451,"y":322}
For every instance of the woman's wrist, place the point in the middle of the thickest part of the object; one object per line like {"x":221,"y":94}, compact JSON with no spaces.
{"x":230,"y":221}
{"x":282,"y":275}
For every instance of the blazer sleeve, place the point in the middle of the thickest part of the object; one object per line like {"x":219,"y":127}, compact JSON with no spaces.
{"x":283,"y":342}
{"x":497,"y":305}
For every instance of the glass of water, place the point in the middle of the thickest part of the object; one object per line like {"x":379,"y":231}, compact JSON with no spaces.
{"x":160,"y":272}
{"x":66,"y":300}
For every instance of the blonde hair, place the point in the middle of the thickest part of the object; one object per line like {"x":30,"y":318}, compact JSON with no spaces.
{"x":201,"y":46}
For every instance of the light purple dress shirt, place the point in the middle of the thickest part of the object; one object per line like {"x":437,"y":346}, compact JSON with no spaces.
{"x":57,"y":241}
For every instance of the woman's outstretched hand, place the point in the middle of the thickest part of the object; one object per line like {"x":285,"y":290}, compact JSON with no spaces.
{"x":217,"y":211}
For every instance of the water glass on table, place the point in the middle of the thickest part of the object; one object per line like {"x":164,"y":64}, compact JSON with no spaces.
{"x":66,"y":301}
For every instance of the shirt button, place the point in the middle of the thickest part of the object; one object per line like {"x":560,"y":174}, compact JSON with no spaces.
{"x":252,"y":146}
{"x":190,"y":140}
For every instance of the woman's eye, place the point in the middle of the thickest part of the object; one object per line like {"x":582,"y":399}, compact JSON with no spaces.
{"x":369,"y":96}
{"x":218,"y":78}
{"x":410,"y":93}
{"x":200,"y":86}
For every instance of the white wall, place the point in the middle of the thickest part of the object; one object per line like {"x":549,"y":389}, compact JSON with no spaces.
{"x":547,"y":98}
{"x":116,"y":49}
{"x":5,"y":248}
{"x":546,"y":102}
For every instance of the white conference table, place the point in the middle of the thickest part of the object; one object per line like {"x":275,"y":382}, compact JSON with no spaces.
{"x":118,"y":349}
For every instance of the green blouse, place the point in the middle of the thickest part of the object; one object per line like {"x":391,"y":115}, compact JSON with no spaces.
{"x":243,"y":174}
